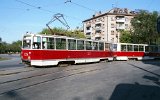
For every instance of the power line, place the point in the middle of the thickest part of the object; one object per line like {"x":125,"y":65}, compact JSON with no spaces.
{"x":49,"y":11}
{"x":37,"y":7}
{"x":69,"y":1}
{"x":27,"y":4}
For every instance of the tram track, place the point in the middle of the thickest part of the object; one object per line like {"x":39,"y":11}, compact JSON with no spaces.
{"x":49,"y":76}
{"x":53,"y":71}
{"x":55,"y":76}
{"x":62,"y":69}
{"x":18,"y":70}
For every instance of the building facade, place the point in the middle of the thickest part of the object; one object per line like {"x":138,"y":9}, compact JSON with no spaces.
{"x":106,"y":26}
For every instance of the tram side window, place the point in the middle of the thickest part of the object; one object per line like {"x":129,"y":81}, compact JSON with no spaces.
{"x":141,"y":48}
{"x":60,"y":43}
{"x":71,"y":44}
{"x":123,"y":47}
{"x":88,"y":45}
{"x":155,"y":48}
{"x":44,"y":43}
{"x":101,"y":45}
{"x":37,"y":42}
{"x":50,"y":43}
{"x":114,"y":47}
{"x":80,"y":44}
{"x":95,"y":45}
{"x":129,"y":48}
{"x":150,"y":49}
{"x":107,"y":46}
{"x":135,"y":47}
{"x":146,"y":48}
{"x":26,"y":44}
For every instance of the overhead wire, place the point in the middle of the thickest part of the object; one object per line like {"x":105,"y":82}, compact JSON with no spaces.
{"x":69,"y":1}
{"x":37,"y":7}
{"x":26,"y":4}
{"x":42,"y":9}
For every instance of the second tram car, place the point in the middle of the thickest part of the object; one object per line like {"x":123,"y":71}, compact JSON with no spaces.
{"x":44,"y":50}
{"x":127,"y":51}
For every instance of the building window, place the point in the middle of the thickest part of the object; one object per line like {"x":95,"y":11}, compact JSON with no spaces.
{"x":88,"y":28}
{"x":112,"y":32}
{"x":112,"y":18}
{"x":126,"y":26}
{"x":112,"y":39}
{"x":126,"y":19}
{"x":99,"y":19}
{"x":112,"y":25}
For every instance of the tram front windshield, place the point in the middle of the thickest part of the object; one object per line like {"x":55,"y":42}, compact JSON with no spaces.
{"x":26,"y":42}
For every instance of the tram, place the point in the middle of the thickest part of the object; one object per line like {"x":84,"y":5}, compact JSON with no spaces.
{"x":127,"y":51}
{"x":47,"y":50}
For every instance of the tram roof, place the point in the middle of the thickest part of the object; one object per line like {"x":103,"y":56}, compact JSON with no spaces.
{"x":59,"y":36}
{"x":130,"y":44}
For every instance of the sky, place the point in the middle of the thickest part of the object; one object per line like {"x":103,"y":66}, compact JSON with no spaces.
{"x":20,"y":16}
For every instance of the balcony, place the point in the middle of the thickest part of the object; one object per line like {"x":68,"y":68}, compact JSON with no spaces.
{"x":88,"y":35}
{"x":98,"y":28}
{"x":97,"y":38}
{"x":97,"y":35}
{"x":98,"y":22}
{"x":120,"y":20}
{"x":88,"y":31}
{"x":120,"y":27}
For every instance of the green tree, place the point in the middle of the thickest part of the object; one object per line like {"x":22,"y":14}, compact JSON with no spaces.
{"x":15,"y":47}
{"x":61,"y":31}
{"x":144,"y":26}
{"x":125,"y":37}
{"x":3,"y":47}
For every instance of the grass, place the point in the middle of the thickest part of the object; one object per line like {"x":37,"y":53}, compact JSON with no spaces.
{"x":3,"y":58}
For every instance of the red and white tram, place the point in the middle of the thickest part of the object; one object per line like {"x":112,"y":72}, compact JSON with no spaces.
{"x":153,"y":51}
{"x":126,"y":51}
{"x":44,"y":50}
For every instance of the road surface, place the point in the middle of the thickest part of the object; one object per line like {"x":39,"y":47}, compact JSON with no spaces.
{"x":14,"y":61}
{"x":121,"y":80}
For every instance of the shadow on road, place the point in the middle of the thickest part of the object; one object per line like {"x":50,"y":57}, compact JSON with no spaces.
{"x":135,"y":92}
{"x":152,"y":62}
{"x":13,"y":95}
{"x":153,"y":79}
{"x":145,"y":70}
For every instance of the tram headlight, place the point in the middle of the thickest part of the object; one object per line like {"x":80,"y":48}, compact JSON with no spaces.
{"x":29,"y":57}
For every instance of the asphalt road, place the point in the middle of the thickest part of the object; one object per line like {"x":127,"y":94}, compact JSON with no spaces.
{"x":121,"y":80}
{"x":14,"y":61}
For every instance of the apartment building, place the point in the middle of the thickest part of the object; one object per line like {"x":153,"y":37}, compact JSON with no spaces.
{"x":106,"y":26}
